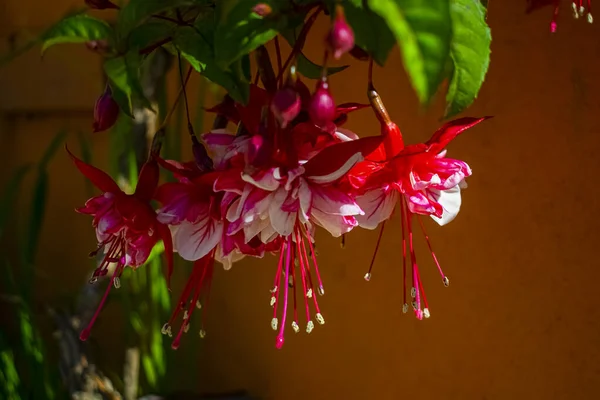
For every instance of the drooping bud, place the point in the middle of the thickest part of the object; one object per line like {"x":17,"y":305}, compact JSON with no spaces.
{"x":203,"y":160}
{"x":106,"y":111}
{"x":286,"y":103}
{"x":322,"y":105}
{"x":341,"y":36}
{"x":262,"y":9}
{"x":101,"y":4}
{"x":97,"y":46}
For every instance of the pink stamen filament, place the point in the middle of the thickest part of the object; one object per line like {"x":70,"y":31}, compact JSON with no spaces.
{"x":277,"y":283}
{"x":314,"y":259}
{"x":85,"y":333}
{"x":302,"y":273}
{"x":368,"y":275}
{"x":413,"y":261}
{"x":422,"y":291}
{"x":294,"y":283}
{"x":402,"y":217}
{"x":280,"y":339}
{"x":437,"y":263}
{"x":314,"y":297}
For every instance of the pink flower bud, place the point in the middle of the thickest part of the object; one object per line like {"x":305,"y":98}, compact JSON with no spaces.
{"x":322,"y":106}
{"x":286,"y":105}
{"x":341,"y":36}
{"x":106,"y":111}
{"x":101,"y":4}
{"x":262,"y":9}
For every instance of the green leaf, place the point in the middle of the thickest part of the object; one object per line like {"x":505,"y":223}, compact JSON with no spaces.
{"x":240,"y":30}
{"x":195,"y":48}
{"x":423,"y":29}
{"x":10,"y":195}
{"x":306,"y":67}
{"x":370,"y":30}
{"x":124,"y":75}
{"x":149,"y":370}
{"x":470,"y":54}
{"x":149,"y":33}
{"x":137,"y":11}
{"x":77,"y":28}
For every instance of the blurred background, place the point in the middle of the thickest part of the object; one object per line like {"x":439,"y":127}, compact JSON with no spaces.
{"x":521,"y":318}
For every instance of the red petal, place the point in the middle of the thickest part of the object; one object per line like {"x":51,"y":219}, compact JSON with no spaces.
{"x":333,"y":157}
{"x":227,"y":109}
{"x":250,"y":115}
{"x":349,"y":107}
{"x":148,"y":181}
{"x":99,"y":178}
{"x":165,"y":235}
{"x":450,"y":130}
{"x":186,"y":170}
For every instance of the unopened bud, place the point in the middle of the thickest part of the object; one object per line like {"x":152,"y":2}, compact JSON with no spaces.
{"x":100,"y":4}
{"x":341,"y":36}
{"x":322,"y":106}
{"x":286,"y":105}
{"x":97,"y":46}
{"x":106,"y":111}
{"x":262,"y":9}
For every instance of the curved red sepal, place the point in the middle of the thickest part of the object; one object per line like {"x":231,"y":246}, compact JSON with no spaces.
{"x":333,"y":157}
{"x":450,"y":130}
{"x":99,"y":178}
{"x":148,"y":181}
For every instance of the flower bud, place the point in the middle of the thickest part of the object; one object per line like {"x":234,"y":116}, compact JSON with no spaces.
{"x":286,"y":105}
{"x":106,"y":111}
{"x":341,"y":36}
{"x":101,"y":4}
{"x":322,"y":106}
{"x":97,"y":46}
{"x":262,"y":9}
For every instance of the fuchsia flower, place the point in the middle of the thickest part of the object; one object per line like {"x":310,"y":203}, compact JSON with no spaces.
{"x":422,"y":180}
{"x":288,"y":176}
{"x":578,"y":7}
{"x":126,"y":226}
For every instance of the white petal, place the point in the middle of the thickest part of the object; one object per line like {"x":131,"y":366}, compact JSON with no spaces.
{"x":266,"y":182}
{"x":332,"y":201}
{"x":282,"y":221}
{"x":336,"y":225}
{"x":194,"y":241}
{"x":377,"y":205}
{"x":450,"y":201}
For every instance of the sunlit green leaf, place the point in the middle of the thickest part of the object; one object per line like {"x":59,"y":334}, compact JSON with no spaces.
{"x":77,"y":28}
{"x":470,"y":54}
{"x":124,"y":75}
{"x":423,"y":29}
{"x":370,"y":30}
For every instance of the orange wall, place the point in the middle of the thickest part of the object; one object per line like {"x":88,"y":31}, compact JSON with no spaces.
{"x":521,"y":317}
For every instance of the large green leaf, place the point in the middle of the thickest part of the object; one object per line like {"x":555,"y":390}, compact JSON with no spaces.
{"x":124,"y":75}
{"x":240,"y":30}
{"x":470,"y":53}
{"x":150,"y":33}
{"x":423,"y":29}
{"x":196,"y":49}
{"x":77,"y":28}
{"x":137,"y":11}
{"x":370,"y":30}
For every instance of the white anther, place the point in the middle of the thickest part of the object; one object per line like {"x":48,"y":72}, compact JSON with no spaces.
{"x":446,"y":281}
{"x":309,"y":293}
{"x":413,"y":292}
{"x":320,"y":318}
{"x":274,"y":323}
{"x":295,"y":327}
{"x":202,"y":333}
{"x":273,"y":300}
{"x":117,"y":282}
{"x":321,"y":290}
{"x":426,"y":313}
{"x":310,"y":326}
{"x":367,"y":277}
{"x":198,"y":304}
{"x":405,"y":308}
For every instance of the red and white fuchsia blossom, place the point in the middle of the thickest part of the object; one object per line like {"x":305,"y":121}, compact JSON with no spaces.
{"x":288,"y":168}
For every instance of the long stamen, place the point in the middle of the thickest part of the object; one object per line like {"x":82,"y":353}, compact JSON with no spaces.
{"x":309,"y":239}
{"x":276,"y":285}
{"x":209,"y":276}
{"x":318,"y":315}
{"x":303,"y":275}
{"x":368,"y":274}
{"x":295,"y":254}
{"x":280,"y":339}
{"x":445,"y":279}
{"x":402,"y":223}
{"x":85,"y":333}
{"x":425,"y":313}
{"x":415,"y":286}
